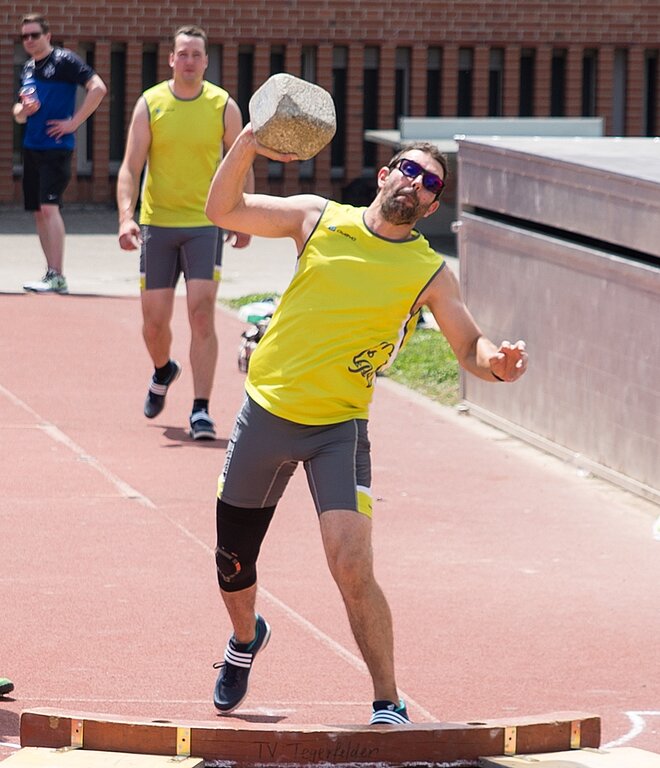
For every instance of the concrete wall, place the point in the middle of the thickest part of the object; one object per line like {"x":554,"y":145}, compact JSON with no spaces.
{"x":590,"y":316}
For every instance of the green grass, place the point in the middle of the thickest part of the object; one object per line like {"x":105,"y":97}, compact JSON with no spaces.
{"x":249,"y":299}
{"x":426,"y":364}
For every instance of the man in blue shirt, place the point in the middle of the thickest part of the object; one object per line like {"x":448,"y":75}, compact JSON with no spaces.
{"x":46,"y":103}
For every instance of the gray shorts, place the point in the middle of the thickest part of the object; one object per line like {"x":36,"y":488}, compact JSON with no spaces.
{"x":169,"y":251}
{"x":264,"y":452}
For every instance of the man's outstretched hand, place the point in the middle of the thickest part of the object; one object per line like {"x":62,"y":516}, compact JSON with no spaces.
{"x":509,"y":362}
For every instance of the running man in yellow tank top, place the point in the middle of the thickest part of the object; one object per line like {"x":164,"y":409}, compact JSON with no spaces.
{"x":179,"y":130}
{"x":363,"y":275}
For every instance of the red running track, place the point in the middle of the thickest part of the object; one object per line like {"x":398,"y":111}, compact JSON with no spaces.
{"x":517,"y":588}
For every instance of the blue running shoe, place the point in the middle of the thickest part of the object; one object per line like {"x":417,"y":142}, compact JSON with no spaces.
{"x":155,"y":401}
{"x":231,"y":687}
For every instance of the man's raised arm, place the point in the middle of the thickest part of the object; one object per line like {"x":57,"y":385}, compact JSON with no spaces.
{"x":230,"y":207}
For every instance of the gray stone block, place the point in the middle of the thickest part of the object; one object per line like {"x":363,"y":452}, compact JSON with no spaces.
{"x":293,"y":115}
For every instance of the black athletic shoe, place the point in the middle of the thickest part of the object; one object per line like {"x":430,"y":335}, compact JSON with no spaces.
{"x":202,"y":426}
{"x":6,"y":686}
{"x":389,"y":713}
{"x":155,"y":401}
{"x":231,"y":687}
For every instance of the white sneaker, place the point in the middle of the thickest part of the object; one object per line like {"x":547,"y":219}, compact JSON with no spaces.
{"x":52,"y":282}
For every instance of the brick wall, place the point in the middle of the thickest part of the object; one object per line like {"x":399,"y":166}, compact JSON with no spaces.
{"x":541,"y":25}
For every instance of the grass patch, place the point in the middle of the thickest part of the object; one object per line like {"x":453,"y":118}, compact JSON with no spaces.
{"x":426,"y":364}
{"x":251,"y":298}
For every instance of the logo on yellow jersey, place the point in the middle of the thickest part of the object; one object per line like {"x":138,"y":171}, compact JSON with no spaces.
{"x":368,"y":362}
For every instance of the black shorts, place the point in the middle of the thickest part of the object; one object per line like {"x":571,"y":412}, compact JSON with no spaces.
{"x":46,"y":174}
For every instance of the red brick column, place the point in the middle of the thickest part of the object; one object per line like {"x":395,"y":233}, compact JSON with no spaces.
{"x":261,"y":74}
{"x":604,"y":82}
{"x":355,"y":118}
{"x":7,"y":96}
{"x":102,"y":192}
{"x":449,"y":81}
{"x":657,"y":109}
{"x":133,"y":78}
{"x":230,"y":68}
{"x":322,"y":162}
{"x":386,"y":88}
{"x":480,"y":78}
{"x":635,"y":85}
{"x":292,"y":64}
{"x":511,"y":97}
{"x":418,"y":78}
{"x":261,"y":63}
{"x":542,"y":81}
{"x":574,"y":56}
{"x":164,"y":50}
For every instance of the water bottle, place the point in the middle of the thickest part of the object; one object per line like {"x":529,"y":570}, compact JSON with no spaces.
{"x":259,"y":314}
{"x":28,"y":92}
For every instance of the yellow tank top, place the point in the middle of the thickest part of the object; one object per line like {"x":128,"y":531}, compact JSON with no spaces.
{"x":186,"y":148}
{"x":343,"y":318}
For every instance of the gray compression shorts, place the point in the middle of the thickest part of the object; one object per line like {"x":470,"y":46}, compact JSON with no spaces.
{"x":264,"y":451}
{"x":169,"y":251}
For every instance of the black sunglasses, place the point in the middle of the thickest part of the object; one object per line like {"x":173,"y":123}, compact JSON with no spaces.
{"x":412,"y":170}
{"x":31,"y":35}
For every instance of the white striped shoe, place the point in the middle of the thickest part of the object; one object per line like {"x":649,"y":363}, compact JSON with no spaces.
{"x":389,"y":713}
{"x":155,"y":401}
{"x":231,"y":687}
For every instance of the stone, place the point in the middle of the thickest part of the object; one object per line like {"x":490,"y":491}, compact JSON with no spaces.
{"x":292,"y":115}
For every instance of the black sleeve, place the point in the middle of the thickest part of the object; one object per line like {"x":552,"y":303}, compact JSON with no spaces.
{"x":72,"y":69}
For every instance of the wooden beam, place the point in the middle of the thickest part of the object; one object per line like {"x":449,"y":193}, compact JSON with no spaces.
{"x":241,"y":746}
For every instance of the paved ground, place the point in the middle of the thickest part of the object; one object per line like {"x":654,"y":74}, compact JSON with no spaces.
{"x":94,"y":263}
{"x":517,"y":586}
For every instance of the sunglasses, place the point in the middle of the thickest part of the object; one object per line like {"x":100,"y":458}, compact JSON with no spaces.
{"x":31,"y":35}
{"x":412,"y":170}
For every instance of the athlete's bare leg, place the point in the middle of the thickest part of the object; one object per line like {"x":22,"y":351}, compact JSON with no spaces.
{"x":201,"y":297}
{"x":157,"y":308}
{"x":50,"y":228}
{"x":347,"y":541}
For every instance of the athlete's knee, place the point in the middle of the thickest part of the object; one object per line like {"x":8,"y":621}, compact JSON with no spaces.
{"x":240,"y":532}
{"x":347,"y":544}
{"x":202,"y":322}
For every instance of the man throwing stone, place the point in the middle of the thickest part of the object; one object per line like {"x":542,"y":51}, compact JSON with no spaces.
{"x":362,"y":278}
{"x":179,"y":130}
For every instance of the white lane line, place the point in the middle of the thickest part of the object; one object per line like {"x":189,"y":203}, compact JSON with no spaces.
{"x":56,"y":434}
{"x":638,"y":724}
{"x":129,"y":492}
{"x":345,"y":654}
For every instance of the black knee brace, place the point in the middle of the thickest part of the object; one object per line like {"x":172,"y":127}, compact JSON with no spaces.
{"x":240,"y":532}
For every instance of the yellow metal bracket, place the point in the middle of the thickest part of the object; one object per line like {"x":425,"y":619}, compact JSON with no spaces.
{"x":183,"y":741}
{"x":576,"y":734}
{"x":76,"y":734}
{"x":510,"y":740}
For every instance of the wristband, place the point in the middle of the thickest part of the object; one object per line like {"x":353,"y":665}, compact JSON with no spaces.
{"x":498,"y":378}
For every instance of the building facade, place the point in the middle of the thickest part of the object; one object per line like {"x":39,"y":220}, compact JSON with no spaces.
{"x":380,"y":60}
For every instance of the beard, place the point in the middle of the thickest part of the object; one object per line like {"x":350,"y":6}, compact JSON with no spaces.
{"x":402,"y":208}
